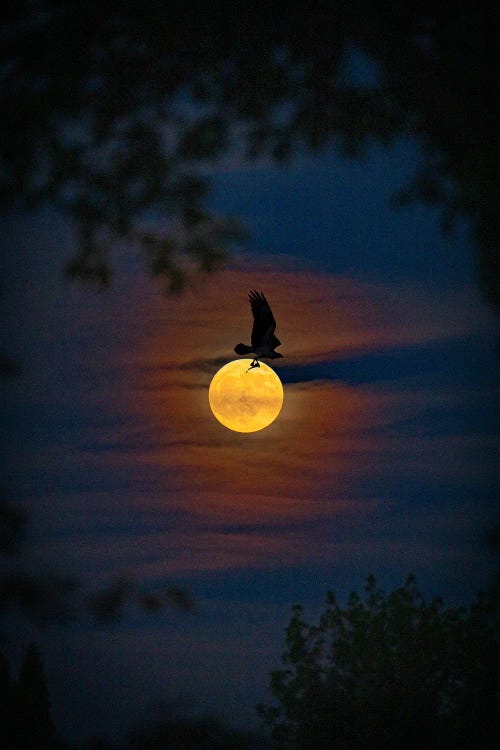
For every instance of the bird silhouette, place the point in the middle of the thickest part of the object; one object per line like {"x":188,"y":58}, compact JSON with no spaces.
{"x":263,"y":340}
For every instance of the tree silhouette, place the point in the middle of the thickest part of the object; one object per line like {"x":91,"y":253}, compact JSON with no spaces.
{"x":25,"y":712}
{"x":191,"y":734}
{"x":35,"y":729}
{"x":388,"y":671}
{"x":7,"y":703}
{"x":112,"y":112}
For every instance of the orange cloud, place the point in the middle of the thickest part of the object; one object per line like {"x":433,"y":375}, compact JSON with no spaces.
{"x":168,"y":458}
{"x":302,"y":467}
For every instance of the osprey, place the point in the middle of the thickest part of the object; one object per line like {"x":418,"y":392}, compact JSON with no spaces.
{"x":263,"y":341}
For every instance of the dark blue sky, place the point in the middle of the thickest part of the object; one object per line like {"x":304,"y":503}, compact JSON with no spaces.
{"x":383,"y":460}
{"x":335,"y":212}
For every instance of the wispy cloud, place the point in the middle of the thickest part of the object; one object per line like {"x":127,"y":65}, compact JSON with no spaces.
{"x":368,"y":378}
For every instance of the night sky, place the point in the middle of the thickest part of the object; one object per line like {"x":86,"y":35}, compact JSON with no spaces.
{"x":382,"y":460}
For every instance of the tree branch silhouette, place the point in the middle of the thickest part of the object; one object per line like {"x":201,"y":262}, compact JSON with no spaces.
{"x":45,"y":597}
{"x":113,"y":112}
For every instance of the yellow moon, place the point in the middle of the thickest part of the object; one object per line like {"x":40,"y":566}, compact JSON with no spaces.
{"x":245,"y":401}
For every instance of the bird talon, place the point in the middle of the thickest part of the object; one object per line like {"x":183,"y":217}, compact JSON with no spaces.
{"x":255,"y":363}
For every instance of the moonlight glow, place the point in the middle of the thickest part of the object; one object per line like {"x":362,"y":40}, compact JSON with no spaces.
{"x":245,"y":401}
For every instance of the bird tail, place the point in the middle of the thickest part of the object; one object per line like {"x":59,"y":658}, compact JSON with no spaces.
{"x":242,"y":349}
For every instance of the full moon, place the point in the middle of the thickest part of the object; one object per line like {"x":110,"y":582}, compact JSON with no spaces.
{"x":245,"y":400}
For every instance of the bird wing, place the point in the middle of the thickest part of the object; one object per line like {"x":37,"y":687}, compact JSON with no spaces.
{"x":264,"y":323}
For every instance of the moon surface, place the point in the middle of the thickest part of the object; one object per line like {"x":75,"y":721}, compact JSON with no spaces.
{"x":245,"y":401}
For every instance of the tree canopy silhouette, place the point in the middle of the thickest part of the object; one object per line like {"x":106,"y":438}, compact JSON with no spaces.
{"x":113,"y":110}
{"x":25,"y":707}
{"x":389,"y":671}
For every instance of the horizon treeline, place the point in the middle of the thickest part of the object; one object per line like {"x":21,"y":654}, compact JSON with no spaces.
{"x":385,"y":670}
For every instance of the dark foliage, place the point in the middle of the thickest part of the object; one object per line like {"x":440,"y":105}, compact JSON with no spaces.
{"x":26,"y":721}
{"x":107,"y":605}
{"x":191,"y":734}
{"x":12,"y":527}
{"x":25,"y":711}
{"x":389,"y":671}
{"x":45,"y":597}
{"x":386,"y":671}
{"x":35,"y":727}
{"x":113,"y":110}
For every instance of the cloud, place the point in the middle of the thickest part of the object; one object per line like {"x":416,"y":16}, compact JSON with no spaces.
{"x":178,"y":493}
